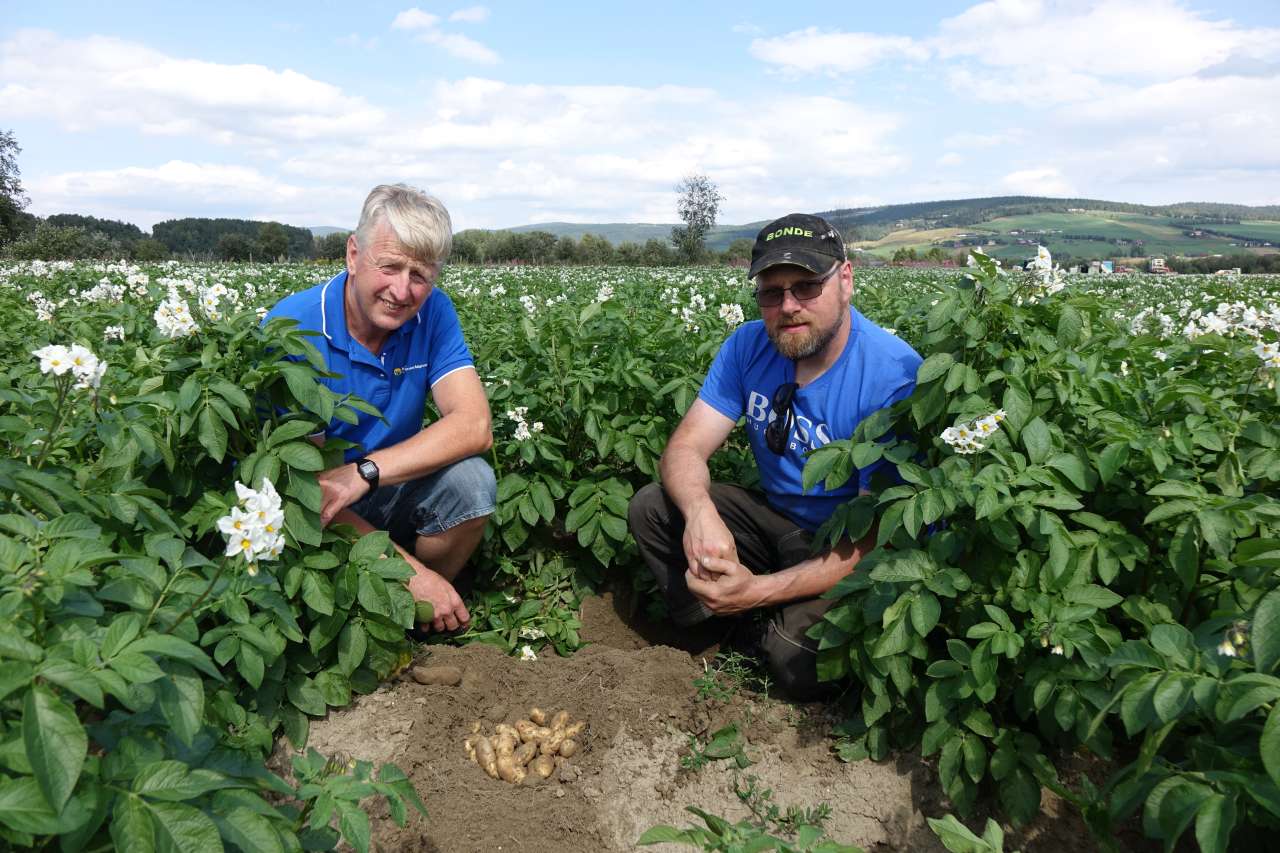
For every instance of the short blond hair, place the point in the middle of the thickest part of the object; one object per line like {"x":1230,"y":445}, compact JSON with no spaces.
{"x":420,"y":221}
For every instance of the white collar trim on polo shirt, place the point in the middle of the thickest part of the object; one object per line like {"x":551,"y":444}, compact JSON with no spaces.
{"x":324,"y":315}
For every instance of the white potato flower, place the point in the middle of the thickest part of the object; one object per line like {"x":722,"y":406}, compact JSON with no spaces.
{"x":254,"y":527}
{"x":54,"y":359}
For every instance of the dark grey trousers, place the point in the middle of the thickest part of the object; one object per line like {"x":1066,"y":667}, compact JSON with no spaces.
{"x":767,"y":541}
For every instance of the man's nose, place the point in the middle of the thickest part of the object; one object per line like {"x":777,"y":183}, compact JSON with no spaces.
{"x":400,"y":286}
{"x":789,"y":301}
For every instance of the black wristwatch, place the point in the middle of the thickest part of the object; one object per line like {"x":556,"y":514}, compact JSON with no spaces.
{"x":368,"y":471}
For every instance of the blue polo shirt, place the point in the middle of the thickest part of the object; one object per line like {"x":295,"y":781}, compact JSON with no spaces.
{"x":427,"y":348}
{"x":875,"y":370}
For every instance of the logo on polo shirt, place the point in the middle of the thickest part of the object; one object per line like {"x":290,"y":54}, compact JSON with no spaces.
{"x":806,"y":435}
{"x":407,"y":368}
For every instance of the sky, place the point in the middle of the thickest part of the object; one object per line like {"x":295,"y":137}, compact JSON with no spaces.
{"x":519,"y":112}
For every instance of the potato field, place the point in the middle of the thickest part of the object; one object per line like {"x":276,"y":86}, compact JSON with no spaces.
{"x":1070,"y":640}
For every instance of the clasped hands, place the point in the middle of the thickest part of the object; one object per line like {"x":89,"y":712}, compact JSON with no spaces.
{"x":714,"y":575}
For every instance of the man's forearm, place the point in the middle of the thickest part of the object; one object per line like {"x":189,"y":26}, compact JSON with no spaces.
{"x":450,"y":439}
{"x":816,"y":575}
{"x":686,"y":478}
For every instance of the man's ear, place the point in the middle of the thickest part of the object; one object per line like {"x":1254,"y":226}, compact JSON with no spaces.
{"x":353,"y":252}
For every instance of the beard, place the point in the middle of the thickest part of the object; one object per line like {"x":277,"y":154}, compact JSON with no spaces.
{"x":800,"y":347}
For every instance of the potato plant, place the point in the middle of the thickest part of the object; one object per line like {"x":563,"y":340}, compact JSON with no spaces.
{"x":1121,"y":513}
{"x":144,"y":674}
{"x":1095,"y":570}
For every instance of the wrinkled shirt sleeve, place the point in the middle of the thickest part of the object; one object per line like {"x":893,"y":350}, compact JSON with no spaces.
{"x":723,"y":389}
{"x":448,"y":350}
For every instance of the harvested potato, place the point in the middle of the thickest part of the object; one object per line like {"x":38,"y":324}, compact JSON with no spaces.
{"x":529,"y":751}
{"x":525,"y":753}
{"x":446,"y":676}
{"x":551,"y":745}
{"x":425,"y":611}
{"x":509,"y":770}
{"x":486,"y":757}
{"x":543,"y":765}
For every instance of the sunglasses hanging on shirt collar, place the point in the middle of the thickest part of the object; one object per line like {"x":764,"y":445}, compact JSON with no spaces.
{"x":778,"y":430}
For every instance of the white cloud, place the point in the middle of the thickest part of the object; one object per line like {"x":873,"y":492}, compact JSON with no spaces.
{"x":456,"y":44}
{"x":101,"y":81}
{"x":812,"y":50}
{"x":471,"y":15}
{"x":146,"y":195}
{"x":1044,"y":180}
{"x":951,"y":158}
{"x":497,"y":152}
{"x":1152,"y":39}
{"x":414,"y":19}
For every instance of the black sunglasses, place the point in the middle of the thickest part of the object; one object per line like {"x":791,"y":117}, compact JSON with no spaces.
{"x":779,"y":429}
{"x":771,"y":297}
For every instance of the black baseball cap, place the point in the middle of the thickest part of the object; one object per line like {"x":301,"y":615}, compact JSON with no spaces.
{"x":798,"y":238}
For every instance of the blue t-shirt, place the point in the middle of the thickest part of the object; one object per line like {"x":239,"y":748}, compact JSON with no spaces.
{"x":875,"y":370}
{"x":428,"y":347}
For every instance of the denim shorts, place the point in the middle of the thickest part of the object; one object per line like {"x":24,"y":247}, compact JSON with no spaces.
{"x":432,"y":504}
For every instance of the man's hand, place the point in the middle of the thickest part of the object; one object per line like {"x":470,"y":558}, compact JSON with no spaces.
{"x":705,"y":535}
{"x":730,"y":587}
{"x":339,"y":488}
{"x":427,"y":585}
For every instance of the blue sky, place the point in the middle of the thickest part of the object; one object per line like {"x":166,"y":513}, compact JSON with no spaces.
{"x":519,"y":112}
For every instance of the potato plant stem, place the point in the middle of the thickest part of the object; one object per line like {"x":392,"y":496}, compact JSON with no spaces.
{"x":212,"y":582}
{"x":64,"y":385}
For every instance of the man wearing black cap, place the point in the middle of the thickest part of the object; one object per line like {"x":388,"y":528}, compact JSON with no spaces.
{"x":802,"y":376}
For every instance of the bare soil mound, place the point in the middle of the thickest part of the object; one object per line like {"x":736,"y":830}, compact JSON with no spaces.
{"x":641,"y":705}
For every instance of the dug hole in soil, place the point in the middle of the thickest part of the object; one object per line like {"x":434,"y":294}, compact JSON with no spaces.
{"x":640,"y":703}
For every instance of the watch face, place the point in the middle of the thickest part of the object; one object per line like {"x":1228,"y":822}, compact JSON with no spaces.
{"x":368,"y":469}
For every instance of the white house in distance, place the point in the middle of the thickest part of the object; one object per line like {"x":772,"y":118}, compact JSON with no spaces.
{"x":1156,"y":265}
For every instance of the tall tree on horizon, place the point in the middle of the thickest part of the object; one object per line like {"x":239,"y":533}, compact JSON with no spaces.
{"x":698,"y":206}
{"x":12,"y":199}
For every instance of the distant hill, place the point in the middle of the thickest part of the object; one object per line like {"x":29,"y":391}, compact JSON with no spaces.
{"x":1070,"y":226}
{"x":326,"y":230}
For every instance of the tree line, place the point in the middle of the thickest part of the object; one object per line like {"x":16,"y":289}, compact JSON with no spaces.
{"x":1246,"y":262}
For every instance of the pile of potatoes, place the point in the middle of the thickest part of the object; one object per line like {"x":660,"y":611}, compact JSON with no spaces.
{"x":537,"y":744}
